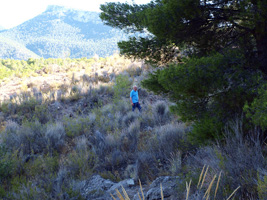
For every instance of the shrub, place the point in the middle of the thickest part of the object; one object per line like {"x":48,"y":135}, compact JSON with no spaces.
{"x":134,"y":70}
{"x":129,"y":140}
{"x":168,"y":139}
{"x":122,"y":87}
{"x":81,"y":163}
{"x":240,"y":158}
{"x":41,"y":166}
{"x":122,"y":106}
{"x":146,"y":167}
{"x":99,"y":144}
{"x":28,"y":139}
{"x":75,"y":127}
{"x":129,"y":118}
{"x":27,"y":106}
{"x":256,"y":110}
{"x":208,"y":88}
{"x":161,"y":112}
{"x":262,"y":187}
{"x":42,"y":114}
{"x":6,"y":164}
{"x":55,"y":137}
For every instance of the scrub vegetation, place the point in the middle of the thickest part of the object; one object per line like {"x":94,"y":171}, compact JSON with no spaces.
{"x":201,"y":74}
{"x":55,"y":136}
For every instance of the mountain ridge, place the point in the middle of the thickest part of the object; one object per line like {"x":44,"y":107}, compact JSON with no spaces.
{"x":61,"y":31}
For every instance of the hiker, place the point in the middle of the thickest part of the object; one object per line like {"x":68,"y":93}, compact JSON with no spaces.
{"x":134,"y":99}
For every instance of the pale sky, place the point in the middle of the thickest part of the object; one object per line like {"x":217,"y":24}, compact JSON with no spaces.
{"x":15,"y":12}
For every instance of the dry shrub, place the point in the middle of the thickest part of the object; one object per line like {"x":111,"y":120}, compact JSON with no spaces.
{"x":241,"y":159}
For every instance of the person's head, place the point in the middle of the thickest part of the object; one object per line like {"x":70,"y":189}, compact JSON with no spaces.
{"x":134,"y":87}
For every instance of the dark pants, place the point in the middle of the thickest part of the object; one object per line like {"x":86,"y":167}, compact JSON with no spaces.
{"x":137,"y":104}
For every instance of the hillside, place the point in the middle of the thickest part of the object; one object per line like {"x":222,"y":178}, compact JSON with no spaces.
{"x":61,"y":32}
{"x":67,"y":131}
{"x":14,"y":50}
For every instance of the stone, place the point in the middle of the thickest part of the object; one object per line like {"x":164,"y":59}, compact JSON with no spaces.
{"x":168,"y":187}
{"x":95,"y":187}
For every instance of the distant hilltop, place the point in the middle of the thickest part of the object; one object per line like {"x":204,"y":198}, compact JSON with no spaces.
{"x":56,"y":8}
{"x":60,"y":32}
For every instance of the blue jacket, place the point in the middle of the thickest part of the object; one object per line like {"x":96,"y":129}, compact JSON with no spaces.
{"x":134,"y":96}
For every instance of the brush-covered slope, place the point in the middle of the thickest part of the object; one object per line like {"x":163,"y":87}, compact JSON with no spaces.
{"x":63,"y":32}
{"x":14,"y":50}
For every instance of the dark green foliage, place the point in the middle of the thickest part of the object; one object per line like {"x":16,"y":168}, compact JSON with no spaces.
{"x":223,"y":55}
{"x":149,"y":48}
{"x":208,"y":90}
{"x":256,"y":110}
{"x":203,"y":26}
{"x":122,"y":86}
{"x":6,"y":164}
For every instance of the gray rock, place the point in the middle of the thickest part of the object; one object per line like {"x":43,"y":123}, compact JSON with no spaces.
{"x":128,"y":185}
{"x":96,"y":187}
{"x":168,"y":187}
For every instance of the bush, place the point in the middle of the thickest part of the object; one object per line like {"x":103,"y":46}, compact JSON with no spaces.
{"x":161,"y":112}
{"x":146,"y":167}
{"x":28,"y":139}
{"x":75,"y":127}
{"x":239,"y":158}
{"x":122,"y":87}
{"x":42,"y":114}
{"x":169,"y":139}
{"x":129,"y":118}
{"x":208,"y":88}
{"x":256,"y":110}
{"x":81,"y":163}
{"x":6,"y":164}
{"x":55,"y":137}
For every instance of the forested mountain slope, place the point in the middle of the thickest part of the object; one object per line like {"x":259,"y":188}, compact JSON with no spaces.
{"x":60,"y":32}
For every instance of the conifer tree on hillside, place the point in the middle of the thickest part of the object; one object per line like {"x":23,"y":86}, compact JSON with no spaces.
{"x":204,"y":25}
{"x":226,"y":44}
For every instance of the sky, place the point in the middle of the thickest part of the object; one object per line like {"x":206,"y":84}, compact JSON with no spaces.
{"x":15,"y":12}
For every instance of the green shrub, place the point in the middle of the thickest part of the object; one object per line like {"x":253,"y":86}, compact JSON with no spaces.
{"x":262,"y":187}
{"x":256,"y":111}
{"x":76,"y":127}
{"x":6,"y":164}
{"x":42,"y":114}
{"x":81,"y":163}
{"x":208,"y":88}
{"x":204,"y":130}
{"x":122,"y":87}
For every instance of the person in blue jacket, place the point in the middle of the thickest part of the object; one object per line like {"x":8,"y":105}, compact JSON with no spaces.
{"x":134,"y":99}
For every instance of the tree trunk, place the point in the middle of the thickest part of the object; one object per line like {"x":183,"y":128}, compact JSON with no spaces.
{"x":262,"y":52}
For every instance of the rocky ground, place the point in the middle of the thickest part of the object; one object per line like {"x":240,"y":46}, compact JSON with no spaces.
{"x":98,"y":188}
